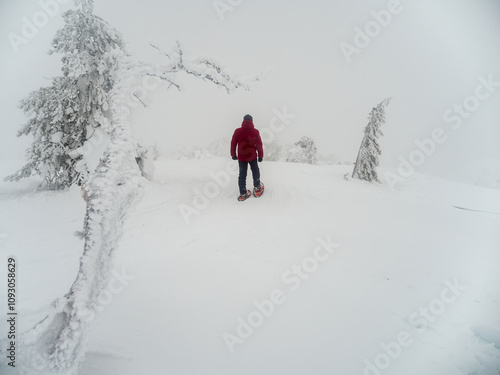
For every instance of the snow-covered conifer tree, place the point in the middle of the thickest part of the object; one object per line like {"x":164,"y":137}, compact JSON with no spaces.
{"x":303,"y":151}
{"x":369,"y":151}
{"x":65,"y":115}
{"x":219,"y":147}
{"x":273,"y":151}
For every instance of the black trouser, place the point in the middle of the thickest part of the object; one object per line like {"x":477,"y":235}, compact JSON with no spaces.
{"x":242,"y":180}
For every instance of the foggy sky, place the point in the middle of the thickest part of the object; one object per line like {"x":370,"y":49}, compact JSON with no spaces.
{"x":430,"y":56}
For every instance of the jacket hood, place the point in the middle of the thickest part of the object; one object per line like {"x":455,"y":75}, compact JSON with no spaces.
{"x":247,"y":124}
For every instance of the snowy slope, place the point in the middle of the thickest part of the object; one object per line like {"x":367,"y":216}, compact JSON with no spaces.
{"x":410,"y":286}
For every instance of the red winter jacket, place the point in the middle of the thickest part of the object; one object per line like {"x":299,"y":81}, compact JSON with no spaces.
{"x":247,"y":138}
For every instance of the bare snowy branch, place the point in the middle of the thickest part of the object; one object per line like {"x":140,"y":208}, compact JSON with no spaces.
{"x":205,"y":69}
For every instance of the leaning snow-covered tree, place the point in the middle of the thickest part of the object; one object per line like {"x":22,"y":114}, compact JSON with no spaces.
{"x":56,"y":344}
{"x":369,"y":151}
{"x":65,"y":115}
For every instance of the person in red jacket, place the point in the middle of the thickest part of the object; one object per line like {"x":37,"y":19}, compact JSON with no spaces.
{"x":249,"y":144}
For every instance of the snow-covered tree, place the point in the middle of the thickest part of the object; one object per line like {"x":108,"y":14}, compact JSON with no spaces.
{"x":56,"y":344}
{"x":330,"y":159}
{"x":369,"y":151}
{"x":219,"y":147}
{"x":303,"y":151}
{"x":274,"y":151}
{"x":65,"y":115}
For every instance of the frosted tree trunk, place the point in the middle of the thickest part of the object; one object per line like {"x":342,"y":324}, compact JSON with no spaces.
{"x":56,"y":345}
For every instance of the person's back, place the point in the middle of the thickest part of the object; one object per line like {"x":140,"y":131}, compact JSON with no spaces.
{"x":247,"y":138}
{"x":246,"y":147}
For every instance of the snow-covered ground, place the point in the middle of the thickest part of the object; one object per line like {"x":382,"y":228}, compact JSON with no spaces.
{"x":318,"y":276}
